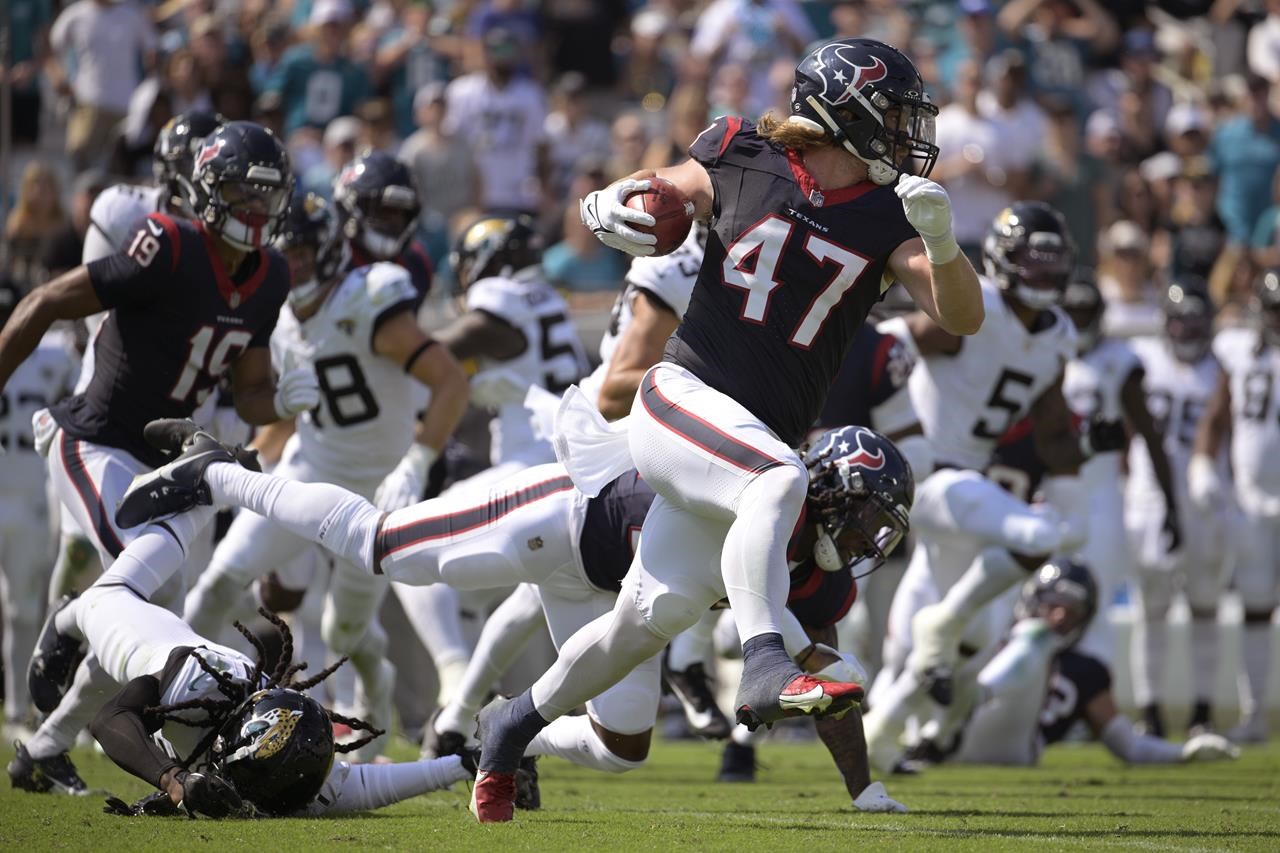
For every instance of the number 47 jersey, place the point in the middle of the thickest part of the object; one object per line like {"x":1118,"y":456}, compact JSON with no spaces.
{"x":365,"y":421}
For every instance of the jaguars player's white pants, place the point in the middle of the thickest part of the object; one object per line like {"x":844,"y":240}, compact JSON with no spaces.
{"x":1256,"y":557}
{"x":1106,"y":553}
{"x":1012,"y":688}
{"x":24,"y":567}
{"x":1198,"y":569}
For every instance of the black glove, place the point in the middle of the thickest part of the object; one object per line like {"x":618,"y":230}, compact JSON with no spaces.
{"x":1171,"y":531}
{"x":157,"y":804}
{"x":1099,"y":435}
{"x":210,"y":795}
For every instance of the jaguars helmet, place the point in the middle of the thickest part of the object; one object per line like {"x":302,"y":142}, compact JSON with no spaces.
{"x":1188,"y":318}
{"x":870,"y":99}
{"x":1029,"y":253}
{"x":312,"y":225}
{"x":276,"y":749}
{"x":243,"y":183}
{"x":377,"y":203}
{"x":1083,"y":302}
{"x":173,"y":157}
{"x":1061,"y":583}
{"x":1266,"y":305}
{"x":495,"y":246}
{"x":860,"y":496}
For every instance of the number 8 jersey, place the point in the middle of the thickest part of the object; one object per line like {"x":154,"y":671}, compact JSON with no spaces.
{"x":365,"y":421}
{"x":790,"y":273}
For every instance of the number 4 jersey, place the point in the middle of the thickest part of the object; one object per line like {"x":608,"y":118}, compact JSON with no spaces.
{"x":791,"y":272}
{"x":365,"y":420}
{"x":178,"y":322}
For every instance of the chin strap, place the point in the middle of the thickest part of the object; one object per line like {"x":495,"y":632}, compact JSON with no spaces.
{"x":825,"y":552}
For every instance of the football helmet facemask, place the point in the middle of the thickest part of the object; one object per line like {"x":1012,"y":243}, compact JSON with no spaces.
{"x":1266,"y":299}
{"x":243,"y":183}
{"x":313,"y":248}
{"x":1083,"y":302}
{"x":1029,"y":253}
{"x":276,"y":749}
{"x":1188,"y":318}
{"x":377,"y":203}
{"x":860,"y":495}
{"x":870,"y":99}
{"x":495,"y":246}
{"x":173,"y":157}
{"x":1060,"y":583}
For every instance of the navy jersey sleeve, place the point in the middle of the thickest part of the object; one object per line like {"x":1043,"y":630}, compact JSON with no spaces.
{"x":421,"y":272}
{"x":144,"y":271}
{"x":819,"y":599}
{"x":714,"y":141}
{"x":1090,"y":675}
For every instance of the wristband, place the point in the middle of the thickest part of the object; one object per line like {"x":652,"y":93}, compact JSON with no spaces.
{"x":941,"y":249}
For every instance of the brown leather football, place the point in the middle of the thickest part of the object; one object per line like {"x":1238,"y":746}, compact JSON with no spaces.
{"x":672,"y":210}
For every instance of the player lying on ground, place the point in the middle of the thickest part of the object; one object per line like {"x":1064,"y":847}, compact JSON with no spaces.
{"x":1033,"y":687}
{"x":250,"y":743}
{"x":536,"y":528}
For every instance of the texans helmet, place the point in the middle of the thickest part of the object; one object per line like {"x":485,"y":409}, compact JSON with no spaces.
{"x":1188,"y":318}
{"x":1266,"y":306}
{"x":1083,"y":302}
{"x":377,"y":203}
{"x":311,"y":225}
{"x":173,"y":157}
{"x":495,"y":246}
{"x":276,"y":749}
{"x":1061,"y":583}
{"x":860,"y":496}
{"x":870,"y":99}
{"x":243,"y":183}
{"x":1029,"y":253}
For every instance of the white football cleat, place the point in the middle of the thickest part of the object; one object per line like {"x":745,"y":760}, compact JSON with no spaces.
{"x":1209,"y":747}
{"x":1252,"y":728}
{"x":876,"y":800}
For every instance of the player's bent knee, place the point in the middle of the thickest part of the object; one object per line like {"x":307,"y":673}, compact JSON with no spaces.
{"x":668,"y":613}
{"x":619,"y":753}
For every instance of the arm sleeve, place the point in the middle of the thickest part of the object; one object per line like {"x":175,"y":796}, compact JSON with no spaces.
{"x":1128,"y":745}
{"x":124,"y":735}
{"x":143,"y":271}
{"x":358,"y":787}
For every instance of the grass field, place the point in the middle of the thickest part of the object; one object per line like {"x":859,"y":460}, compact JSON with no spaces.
{"x":1079,"y":799}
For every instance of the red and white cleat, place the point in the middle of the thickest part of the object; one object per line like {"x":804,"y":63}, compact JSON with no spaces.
{"x":493,"y":799}
{"x":804,"y":694}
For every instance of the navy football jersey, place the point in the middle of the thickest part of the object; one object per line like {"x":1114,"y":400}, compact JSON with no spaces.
{"x":819,"y":599}
{"x":1076,"y":680}
{"x":612,"y":529}
{"x":413,"y":258}
{"x":875,"y":368}
{"x":177,"y":324}
{"x":790,"y":273}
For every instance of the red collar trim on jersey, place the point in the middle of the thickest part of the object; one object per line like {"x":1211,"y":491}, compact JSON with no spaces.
{"x":817,"y":196}
{"x":234,"y":295}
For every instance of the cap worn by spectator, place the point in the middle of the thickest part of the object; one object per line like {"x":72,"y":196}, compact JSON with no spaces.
{"x":1140,"y":43}
{"x":1163,"y":166}
{"x":1126,"y":236}
{"x":975,"y":7}
{"x":330,"y":12}
{"x":571,"y":84}
{"x":1101,"y":124}
{"x":431,"y":93}
{"x":1185,"y":118}
{"x":1004,"y":62}
{"x":344,"y":130}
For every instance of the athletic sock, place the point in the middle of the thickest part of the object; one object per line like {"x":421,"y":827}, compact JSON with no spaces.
{"x":1257,"y":662}
{"x":506,"y":730}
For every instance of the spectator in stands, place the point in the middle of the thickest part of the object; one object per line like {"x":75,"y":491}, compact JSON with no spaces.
{"x":628,"y":141}
{"x":379,"y":126}
{"x":1059,"y":37}
{"x":1265,"y":242}
{"x":1072,"y":179}
{"x":341,"y":141}
{"x":101,"y":47}
{"x":1124,"y":277}
{"x":1018,"y":121}
{"x":224,"y":72}
{"x":268,"y":45}
{"x":1186,"y":130}
{"x":1264,"y":44}
{"x":751,"y":34}
{"x":976,"y":25}
{"x":1245,"y":152}
{"x":36,"y":218}
{"x":580,"y":261}
{"x":1134,"y":80}
{"x":63,"y":251}
{"x":317,"y":81}
{"x":406,"y":61}
{"x":28,"y":22}
{"x":687,"y":116}
{"x":572,"y":132}
{"x":1133,"y":200}
{"x":1196,"y":233}
{"x":442,"y":163}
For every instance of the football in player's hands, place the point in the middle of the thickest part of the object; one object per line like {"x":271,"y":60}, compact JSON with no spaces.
{"x":671,"y":209}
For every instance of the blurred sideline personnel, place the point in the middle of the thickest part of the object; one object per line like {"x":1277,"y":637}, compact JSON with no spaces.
{"x":44,"y":378}
{"x":804,"y":201}
{"x":1180,"y":377}
{"x":358,"y":331}
{"x":536,"y":528}
{"x":1104,"y":380}
{"x":1035,"y":687}
{"x":1244,"y":405}
{"x":189,"y":302}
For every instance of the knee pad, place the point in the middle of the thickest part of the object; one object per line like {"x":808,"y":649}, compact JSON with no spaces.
{"x":666,"y":613}
{"x":629,"y":707}
{"x":340,"y":633}
{"x":784,"y":485}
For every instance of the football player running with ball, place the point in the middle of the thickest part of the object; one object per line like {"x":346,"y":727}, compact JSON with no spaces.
{"x":805,"y":235}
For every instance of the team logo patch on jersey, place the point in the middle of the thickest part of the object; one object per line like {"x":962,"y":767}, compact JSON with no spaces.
{"x":535,"y":543}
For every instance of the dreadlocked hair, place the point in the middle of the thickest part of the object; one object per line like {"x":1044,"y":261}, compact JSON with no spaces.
{"x":235,"y":692}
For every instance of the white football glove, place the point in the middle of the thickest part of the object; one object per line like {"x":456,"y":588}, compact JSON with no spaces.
{"x":928,"y":209}
{"x":297,"y":391}
{"x":404,"y":485}
{"x":874,"y":798}
{"x":44,"y":428}
{"x":1209,"y":747}
{"x":610,"y":220}
{"x":1204,"y":487}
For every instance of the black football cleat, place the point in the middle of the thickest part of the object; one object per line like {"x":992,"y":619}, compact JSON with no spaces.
{"x":528,"y":793}
{"x":692,"y":687}
{"x":46,"y":775}
{"x":54,"y":662}
{"x":179,"y":485}
{"x":737,"y":763}
{"x":439,"y":744}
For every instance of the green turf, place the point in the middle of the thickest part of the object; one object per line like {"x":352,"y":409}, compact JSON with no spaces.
{"x":1079,"y":799}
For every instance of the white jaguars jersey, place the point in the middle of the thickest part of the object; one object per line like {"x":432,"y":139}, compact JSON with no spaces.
{"x":669,"y":278}
{"x":553,"y":359}
{"x":1092,"y":385}
{"x":1253,"y":371}
{"x":968,"y":400}
{"x":47,"y":376}
{"x":1177,"y":394}
{"x":365,"y":421}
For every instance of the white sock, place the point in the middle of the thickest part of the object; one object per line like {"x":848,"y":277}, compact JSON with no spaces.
{"x":693,"y":645}
{"x":754,"y":559}
{"x":575,"y":739}
{"x":433,"y":611}
{"x":1204,"y":654}
{"x":992,"y":573}
{"x":1257,"y":664}
{"x":372,"y":786}
{"x":1148,"y":660}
